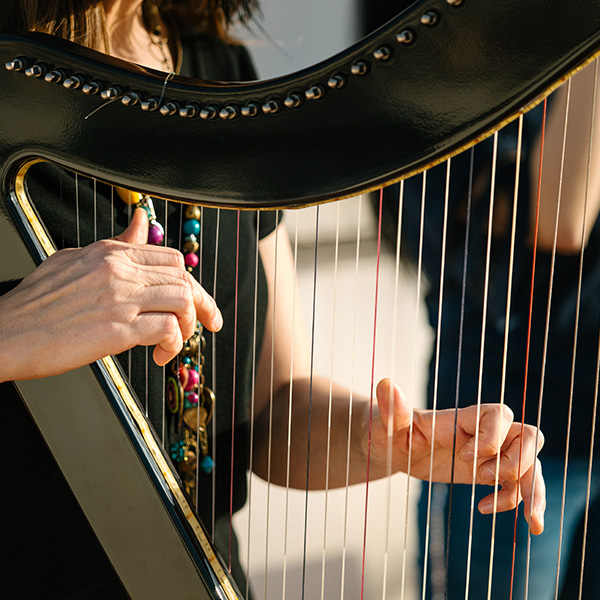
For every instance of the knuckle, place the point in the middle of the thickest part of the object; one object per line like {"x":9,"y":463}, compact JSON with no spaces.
{"x":487,"y":448}
{"x":507,"y":414}
{"x":510,"y":467}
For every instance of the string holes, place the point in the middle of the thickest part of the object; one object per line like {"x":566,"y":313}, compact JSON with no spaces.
{"x":430,"y":18}
{"x":169,"y":109}
{"x":338,"y":81}
{"x":382,"y":54}
{"x":131,"y":99}
{"x":91,"y":87}
{"x":18,"y":64}
{"x":55,"y":76}
{"x":112,"y":93}
{"x":74,"y":82}
{"x":294,"y":100}
{"x":316,"y":92}
{"x":37,"y":70}
{"x":271,"y":107}
{"x":228,"y":113}
{"x":407,"y":36}
{"x":150,"y":104}
{"x":360,"y":68}
{"x":252,"y":109}
{"x":189,"y":111}
{"x":209,"y":113}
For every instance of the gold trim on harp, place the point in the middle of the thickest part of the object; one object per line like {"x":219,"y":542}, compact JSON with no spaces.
{"x":132,"y":406}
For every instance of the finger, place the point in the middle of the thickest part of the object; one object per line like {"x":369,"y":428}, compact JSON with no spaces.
{"x":173,"y":298}
{"x":202,"y":304}
{"x":207,"y":311}
{"x":395,"y":410}
{"x":516,"y":457}
{"x":507,"y":498}
{"x":533,"y":491}
{"x":163,"y":331}
{"x":494,"y":423}
{"x":137,"y":231}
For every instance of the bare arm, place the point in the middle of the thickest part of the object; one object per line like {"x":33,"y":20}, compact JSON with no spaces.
{"x":348,"y":435}
{"x":82,"y":304}
{"x":579,"y":198}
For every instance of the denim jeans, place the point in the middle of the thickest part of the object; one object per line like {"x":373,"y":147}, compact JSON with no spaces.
{"x":539,"y":581}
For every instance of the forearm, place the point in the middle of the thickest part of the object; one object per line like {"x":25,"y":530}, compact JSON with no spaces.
{"x":566,"y":162}
{"x":319,"y":420}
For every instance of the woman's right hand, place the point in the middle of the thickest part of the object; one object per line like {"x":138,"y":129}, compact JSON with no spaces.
{"x":82,"y":304}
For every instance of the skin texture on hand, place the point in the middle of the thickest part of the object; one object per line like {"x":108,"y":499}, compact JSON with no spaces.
{"x":477,"y":444}
{"x":82,"y":304}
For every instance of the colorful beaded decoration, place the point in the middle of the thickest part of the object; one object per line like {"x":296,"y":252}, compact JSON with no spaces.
{"x":189,"y":401}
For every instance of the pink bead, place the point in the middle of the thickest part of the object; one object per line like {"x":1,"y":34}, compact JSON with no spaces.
{"x":193,"y":379}
{"x":191,"y":260}
{"x":192,"y":398}
{"x":156,"y":234}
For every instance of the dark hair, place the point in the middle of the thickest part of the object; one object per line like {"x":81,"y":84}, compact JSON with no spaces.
{"x":83,"y":21}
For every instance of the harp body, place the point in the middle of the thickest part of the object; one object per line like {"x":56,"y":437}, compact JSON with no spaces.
{"x":431,"y":83}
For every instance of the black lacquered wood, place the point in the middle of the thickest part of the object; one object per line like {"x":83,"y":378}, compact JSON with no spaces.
{"x":466,"y":69}
{"x":409,"y":95}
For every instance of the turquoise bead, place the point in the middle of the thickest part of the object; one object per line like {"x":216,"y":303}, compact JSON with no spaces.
{"x":191,"y":227}
{"x":207,"y":464}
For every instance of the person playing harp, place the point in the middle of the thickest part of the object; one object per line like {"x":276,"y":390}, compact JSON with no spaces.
{"x":108,"y":291}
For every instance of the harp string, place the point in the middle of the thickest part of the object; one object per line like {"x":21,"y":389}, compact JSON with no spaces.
{"x":289,"y":423}
{"x":351,"y":399}
{"x":214,"y":381}
{"x":436,"y":368}
{"x":529,"y":325}
{"x":481,"y":351}
{"x":329,"y":411}
{"x":549,"y":294}
{"x":310,"y":397}
{"x":234,"y":378}
{"x":388,"y":495}
{"x":589,"y":475}
{"x":460,"y":342}
{"x":371,"y":394}
{"x":407,"y":498}
{"x":200,"y":350}
{"x":252,"y":407}
{"x":579,"y":284}
{"x":271,"y":399}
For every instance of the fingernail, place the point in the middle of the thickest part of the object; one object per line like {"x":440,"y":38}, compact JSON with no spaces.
{"x":539,"y":515}
{"x":467,"y":456}
{"x":486,"y":506}
{"x":488,"y":474}
{"x":218,"y":320}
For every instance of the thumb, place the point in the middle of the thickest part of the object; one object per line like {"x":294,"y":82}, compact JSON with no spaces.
{"x":395,"y":410}
{"x":137,"y":231}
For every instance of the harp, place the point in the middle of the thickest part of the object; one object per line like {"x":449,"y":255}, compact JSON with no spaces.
{"x":434,"y":81}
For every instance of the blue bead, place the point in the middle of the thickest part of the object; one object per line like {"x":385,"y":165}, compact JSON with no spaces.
{"x":191,"y":227}
{"x":207,"y":464}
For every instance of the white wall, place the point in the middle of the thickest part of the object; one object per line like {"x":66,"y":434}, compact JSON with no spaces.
{"x":298,"y":33}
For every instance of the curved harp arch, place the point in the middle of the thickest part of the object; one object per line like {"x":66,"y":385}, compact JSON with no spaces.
{"x":432,"y":82}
